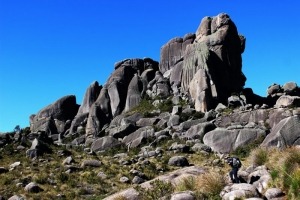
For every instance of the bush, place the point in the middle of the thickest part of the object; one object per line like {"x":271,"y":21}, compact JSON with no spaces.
{"x":166,"y":106}
{"x":259,"y":156}
{"x":211,"y":184}
{"x":244,"y":151}
{"x":159,"y":189}
{"x":294,"y":189}
{"x":291,"y":174}
{"x":185,"y":184}
{"x":144,"y":107}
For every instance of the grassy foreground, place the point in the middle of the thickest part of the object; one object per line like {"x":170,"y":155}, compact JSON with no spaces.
{"x":52,"y":176}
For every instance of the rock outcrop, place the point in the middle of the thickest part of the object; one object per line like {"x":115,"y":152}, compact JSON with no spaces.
{"x":56,"y":117}
{"x":284,"y":134}
{"x":208,"y":64}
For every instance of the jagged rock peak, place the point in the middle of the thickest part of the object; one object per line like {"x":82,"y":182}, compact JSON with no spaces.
{"x":216,"y":50}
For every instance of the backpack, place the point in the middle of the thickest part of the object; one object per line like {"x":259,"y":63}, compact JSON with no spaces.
{"x":236,"y":162}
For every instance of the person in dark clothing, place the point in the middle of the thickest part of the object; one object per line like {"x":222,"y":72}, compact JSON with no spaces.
{"x":235,"y":164}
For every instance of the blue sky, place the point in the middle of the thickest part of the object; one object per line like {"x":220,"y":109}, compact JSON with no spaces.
{"x":53,"y":48}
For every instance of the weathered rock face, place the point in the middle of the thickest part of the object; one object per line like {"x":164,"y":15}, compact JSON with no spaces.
{"x":53,"y":118}
{"x":200,"y":91}
{"x":134,"y":94}
{"x":104,"y":143}
{"x":63,"y":109}
{"x":172,"y":52}
{"x":224,"y":62}
{"x":215,"y":50}
{"x":287,"y":101}
{"x":285,"y":133}
{"x":90,"y":97}
{"x":96,"y":120}
{"x":227,"y":140}
{"x":122,"y":91}
{"x":159,"y":86}
{"x":196,"y":57}
{"x":118,"y":83}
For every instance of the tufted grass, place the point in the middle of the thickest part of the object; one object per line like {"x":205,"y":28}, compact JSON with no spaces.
{"x":185,"y":184}
{"x":160,"y":189}
{"x":259,"y":156}
{"x":245,"y":150}
{"x":211,"y":184}
{"x":284,"y":168}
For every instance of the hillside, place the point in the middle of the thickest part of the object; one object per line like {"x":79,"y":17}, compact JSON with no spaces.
{"x":162,"y":130}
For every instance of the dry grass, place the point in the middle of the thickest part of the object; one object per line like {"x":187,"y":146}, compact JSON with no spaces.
{"x":284,"y":167}
{"x":211,"y":183}
{"x":259,"y":156}
{"x":185,"y":184}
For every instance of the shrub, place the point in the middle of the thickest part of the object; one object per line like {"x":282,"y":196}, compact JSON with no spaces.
{"x":294,"y":189}
{"x":159,"y":189}
{"x":144,"y":107}
{"x":166,"y":106}
{"x":211,"y":184}
{"x":259,"y":156}
{"x":185,"y":184}
{"x":244,"y":151}
{"x":291,"y":174}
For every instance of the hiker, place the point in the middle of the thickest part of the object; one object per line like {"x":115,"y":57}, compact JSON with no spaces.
{"x":235,"y":164}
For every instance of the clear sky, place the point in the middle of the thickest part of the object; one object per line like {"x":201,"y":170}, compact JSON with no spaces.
{"x":53,"y":48}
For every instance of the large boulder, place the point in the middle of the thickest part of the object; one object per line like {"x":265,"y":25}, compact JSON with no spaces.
{"x":198,"y":131}
{"x":269,"y":117}
{"x":104,"y":143}
{"x":179,"y":161}
{"x":62,"y":110}
{"x":186,"y":195}
{"x":139,"y":136}
{"x":128,"y":194}
{"x":239,"y":191}
{"x":287,"y":101}
{"x":290,"y":88}
{"x":225,"y":141}
{"x":33,"y":188}
{"x":122,"y":131}
{"x":284,"y":134}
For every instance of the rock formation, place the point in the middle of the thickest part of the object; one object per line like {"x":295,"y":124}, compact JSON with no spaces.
{"x":195,"y":94}
{"x":56,"y":117}
{"x":215,"y":50}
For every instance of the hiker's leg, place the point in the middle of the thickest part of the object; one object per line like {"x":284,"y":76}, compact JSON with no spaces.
{"x":231,"y":175}
{"x":235,"y":174}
